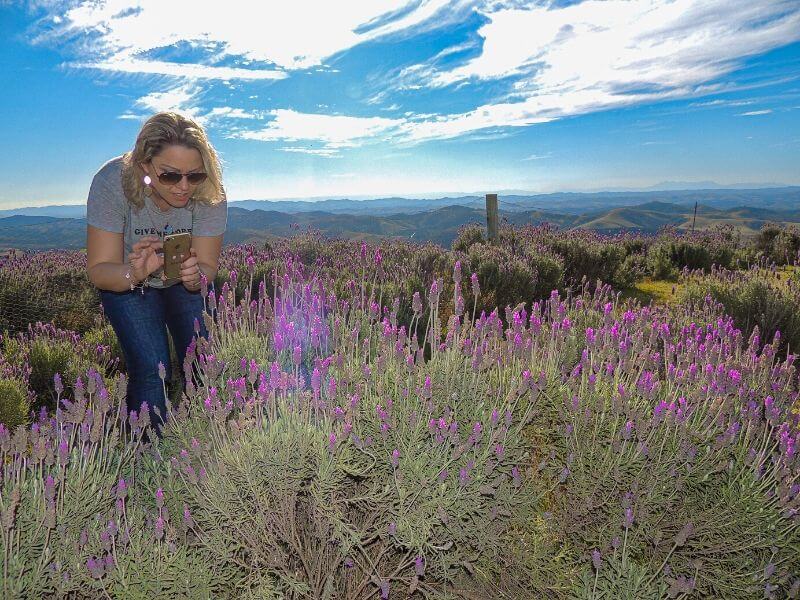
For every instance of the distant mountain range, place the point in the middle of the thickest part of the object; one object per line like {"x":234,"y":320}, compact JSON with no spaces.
{"x":779,"y":198}
{"x":438,"y":220}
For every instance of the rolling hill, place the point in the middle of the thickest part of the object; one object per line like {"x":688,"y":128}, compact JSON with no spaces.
{"x":439,"y":225}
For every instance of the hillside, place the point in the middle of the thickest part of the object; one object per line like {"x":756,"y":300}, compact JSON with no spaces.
{"x":439,"y":225}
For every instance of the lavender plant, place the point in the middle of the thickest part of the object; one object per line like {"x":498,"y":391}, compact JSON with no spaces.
{"x":368,"y":478}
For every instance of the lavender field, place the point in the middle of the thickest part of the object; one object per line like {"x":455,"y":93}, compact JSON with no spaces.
{"x":520,"y":420}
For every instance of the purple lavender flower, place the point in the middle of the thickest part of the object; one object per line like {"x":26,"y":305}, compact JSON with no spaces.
{"x":96,"y":567}
{"x":49,"y":488}
{"x":122,"y":489}
{"x":596,"y":560}
{"x":188,"y":521}
{"x":159,"y":528}
{"x":419,"y":566}
{"x":515,"y":475}
{"x":769,"y":570}
{"x":463,"y":476}
{"x":627,"y":521}
{"x":416,"y":303}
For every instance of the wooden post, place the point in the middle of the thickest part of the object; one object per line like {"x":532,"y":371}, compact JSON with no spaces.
{"x":694,"y":218}
{"x":492,"y":218}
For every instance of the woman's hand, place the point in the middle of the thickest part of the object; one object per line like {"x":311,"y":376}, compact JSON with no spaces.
{"x":143,"y":258}
{"x":190,"y":272}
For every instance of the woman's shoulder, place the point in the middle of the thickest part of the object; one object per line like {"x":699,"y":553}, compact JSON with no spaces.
{"x":110,"y":169}
{"x":106,"y":187}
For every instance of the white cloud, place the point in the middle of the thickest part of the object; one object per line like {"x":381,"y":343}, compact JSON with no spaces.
{"x":232,"y":113}
{"x":333,"y":131}
{"x":537,"y":156}
{"x":599,"y":55}
{"x":753,"y":113}
{"x":183,"y":99}
{"x":324,"y":152}
{"x":281,"y":37}
{"x":127,"y":64}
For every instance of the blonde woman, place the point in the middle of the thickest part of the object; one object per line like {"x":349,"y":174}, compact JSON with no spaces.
{"x":169,"y":183}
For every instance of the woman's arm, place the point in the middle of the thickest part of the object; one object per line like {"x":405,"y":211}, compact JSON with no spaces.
{"x":104,"y":260}
{"x":104,"y":265}
{"x":208,"y":249}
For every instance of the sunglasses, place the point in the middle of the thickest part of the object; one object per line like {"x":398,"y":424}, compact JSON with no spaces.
{"x":173,"y":178}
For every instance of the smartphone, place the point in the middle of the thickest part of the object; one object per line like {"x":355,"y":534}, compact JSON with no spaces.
{"x":176,"y":250}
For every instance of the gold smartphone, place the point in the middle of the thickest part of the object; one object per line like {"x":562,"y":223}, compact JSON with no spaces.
{"x":176,"y":250}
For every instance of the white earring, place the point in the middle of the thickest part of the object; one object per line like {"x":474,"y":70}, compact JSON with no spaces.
{"x":147,"y":180}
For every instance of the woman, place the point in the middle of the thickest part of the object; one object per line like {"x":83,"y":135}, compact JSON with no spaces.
{"x":169,"y":183}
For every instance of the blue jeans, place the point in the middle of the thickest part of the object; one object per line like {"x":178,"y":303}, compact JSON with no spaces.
{"x":141,"y":322}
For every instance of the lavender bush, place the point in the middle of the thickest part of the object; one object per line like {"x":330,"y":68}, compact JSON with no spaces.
{"x":369,"y":477}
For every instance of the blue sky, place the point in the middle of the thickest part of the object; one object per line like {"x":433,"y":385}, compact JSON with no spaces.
{"x":374,"y":98}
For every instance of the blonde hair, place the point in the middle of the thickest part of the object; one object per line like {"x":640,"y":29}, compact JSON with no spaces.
{"x":166,"y":129}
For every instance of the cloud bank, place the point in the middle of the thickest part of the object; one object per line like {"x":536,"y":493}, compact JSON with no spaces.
{"x":540,"y":61}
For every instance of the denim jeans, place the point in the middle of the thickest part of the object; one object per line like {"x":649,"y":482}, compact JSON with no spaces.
{"x":141,"y":322}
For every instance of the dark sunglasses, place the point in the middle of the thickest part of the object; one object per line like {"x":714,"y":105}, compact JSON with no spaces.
{"x":172,"y":177}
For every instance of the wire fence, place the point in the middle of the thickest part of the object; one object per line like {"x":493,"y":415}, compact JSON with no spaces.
{"x":76,"y":309}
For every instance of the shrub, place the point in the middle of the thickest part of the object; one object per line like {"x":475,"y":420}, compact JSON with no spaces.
{"x":48,"y":351}
{"x":14,"y":402}
{"x":507,"y":280}
{"x":778,"y":244}
{"x":692,"y":465}
{"x":349,"y":491}
{"x":104,"y":336}
{"x":666,"y":258}
{"x":468,"y":236}
{"x":633,"y":268}
{"x":574,"y":448}
{"x":590,"y":261}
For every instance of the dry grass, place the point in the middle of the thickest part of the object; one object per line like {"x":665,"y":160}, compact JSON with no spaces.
{"x":655,"y":291}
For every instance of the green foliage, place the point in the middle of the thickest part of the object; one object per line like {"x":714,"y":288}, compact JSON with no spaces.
{"x":243,"y":344}
{"x":14,"y":402}
{"x":619,"y":579}
{"x":591,"y":262}
{"x":779,"y":244}
{"x":47,"y":351}
{"x":105,"y":336}
{"x":667,"y":258}
{"x":468,"y":236}
{"x":633,"y":269}
{"x":507,"y":280}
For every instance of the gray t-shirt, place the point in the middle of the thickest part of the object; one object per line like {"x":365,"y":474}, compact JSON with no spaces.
{"x":107,"y":208}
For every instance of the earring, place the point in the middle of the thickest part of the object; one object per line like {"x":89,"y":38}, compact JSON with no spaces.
{"x":147,"y":180}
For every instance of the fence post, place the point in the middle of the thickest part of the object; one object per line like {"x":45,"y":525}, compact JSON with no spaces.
{"x":492,"y":218}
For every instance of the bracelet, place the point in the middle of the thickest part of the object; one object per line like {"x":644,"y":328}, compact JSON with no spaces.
{"x":140,"y":285}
